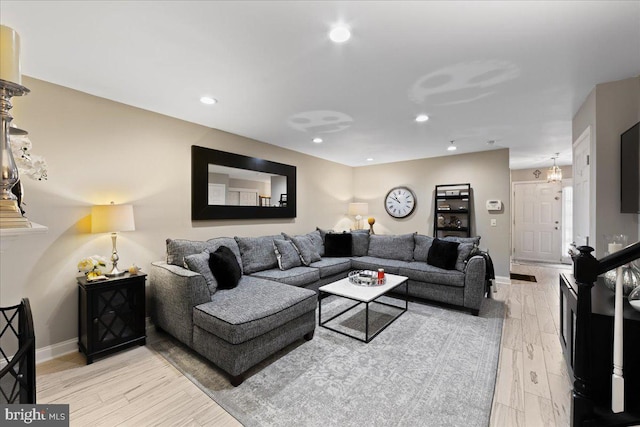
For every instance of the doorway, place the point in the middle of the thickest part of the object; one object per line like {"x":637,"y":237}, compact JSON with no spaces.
{"x":537,"y":221}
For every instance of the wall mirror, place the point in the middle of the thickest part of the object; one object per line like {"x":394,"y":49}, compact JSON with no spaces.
{"x":232,"y":186}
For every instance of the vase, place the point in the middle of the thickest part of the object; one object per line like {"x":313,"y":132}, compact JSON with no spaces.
{"x":630,"y":278}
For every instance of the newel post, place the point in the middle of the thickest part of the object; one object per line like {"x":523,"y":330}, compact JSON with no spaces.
{"x":585,"y":268}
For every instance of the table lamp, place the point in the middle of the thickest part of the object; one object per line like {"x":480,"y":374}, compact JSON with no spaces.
{"x":111,"y":219}
{"x":357,"y":210}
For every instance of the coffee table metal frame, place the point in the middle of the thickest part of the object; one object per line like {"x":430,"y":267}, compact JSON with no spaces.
{"x":356,"y":294}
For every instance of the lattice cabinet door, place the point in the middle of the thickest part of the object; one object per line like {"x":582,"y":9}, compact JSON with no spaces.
{"x":111,"y":315}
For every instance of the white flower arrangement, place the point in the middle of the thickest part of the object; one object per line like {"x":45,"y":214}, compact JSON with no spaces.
{"x":91,"y":265}
{"x":35,"y":167}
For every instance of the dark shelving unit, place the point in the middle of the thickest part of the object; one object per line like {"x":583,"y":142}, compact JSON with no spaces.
{"x":452,"y":210}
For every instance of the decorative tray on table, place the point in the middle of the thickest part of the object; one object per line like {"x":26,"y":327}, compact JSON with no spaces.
{"x":365,"y":278}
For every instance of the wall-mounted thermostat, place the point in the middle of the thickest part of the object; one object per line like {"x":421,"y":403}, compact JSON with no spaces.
{"x":494,"y":205}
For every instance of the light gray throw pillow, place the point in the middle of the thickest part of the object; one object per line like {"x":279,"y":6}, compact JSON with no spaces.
{"x":306,"y":249}
{"x":286,"y":254}
{"x":199,"y":263}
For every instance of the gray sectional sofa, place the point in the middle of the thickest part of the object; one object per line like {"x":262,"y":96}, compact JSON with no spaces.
{"x":274,"y":301}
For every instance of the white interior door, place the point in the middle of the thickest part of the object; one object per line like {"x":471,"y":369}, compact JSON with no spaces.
{"x":537,"y":221}
{"x":581,"y":189}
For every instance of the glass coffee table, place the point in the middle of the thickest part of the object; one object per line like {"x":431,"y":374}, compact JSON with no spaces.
{"x":362,"y":295}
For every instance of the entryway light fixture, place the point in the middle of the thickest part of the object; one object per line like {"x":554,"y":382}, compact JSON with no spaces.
{"x":554,"y":174}
{"x":452,"y":147}
{"x":420,"y":118}
{"x":317,"y":140}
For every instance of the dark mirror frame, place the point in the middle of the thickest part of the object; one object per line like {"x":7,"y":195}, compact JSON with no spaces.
{"x":201,"y":157}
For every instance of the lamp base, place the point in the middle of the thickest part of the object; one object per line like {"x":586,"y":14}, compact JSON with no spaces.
{"x":115,"y":272}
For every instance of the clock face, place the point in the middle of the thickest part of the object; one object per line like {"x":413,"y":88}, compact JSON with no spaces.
{"x":400,"y":202}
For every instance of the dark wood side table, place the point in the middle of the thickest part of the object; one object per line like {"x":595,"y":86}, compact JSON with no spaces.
{"x":602,"y":311}
{"x":111,"y":315}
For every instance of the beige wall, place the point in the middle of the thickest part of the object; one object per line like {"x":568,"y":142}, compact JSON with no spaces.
{"x":610,"y":109}
{"x":488,"y":174}
{"x":98,"y":151}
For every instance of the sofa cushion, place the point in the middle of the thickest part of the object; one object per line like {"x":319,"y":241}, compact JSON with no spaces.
{"x":398,"y":247}
{"x":422,"y":246}
{"x":254,"y":307}
{"x":177,"y":249}
{"x":316,"y":238}
{"x":337,"y":244}
{"x":359,"y":242}
{"x":199,"y":263}
{"x":286,"y":254}
{"x":225,"y":268}
{"x":306,"y":249}
{"x":257,"y":253}
{"x":331,"y":266}
{"x":296,"y":276}
{"x":443,"y":254}
{"x":423,"y":272}
{"x":373,"y":263}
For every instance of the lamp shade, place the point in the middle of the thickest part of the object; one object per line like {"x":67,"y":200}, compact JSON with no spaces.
{"x":10,"y":55}
{"x":112,"y":218}
{"x":358,"y":209}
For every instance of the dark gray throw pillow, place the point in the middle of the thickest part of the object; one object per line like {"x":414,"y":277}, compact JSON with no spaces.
{"x":337,"y":244}
{"x":225,"y":268}
{"x":443,"y":254}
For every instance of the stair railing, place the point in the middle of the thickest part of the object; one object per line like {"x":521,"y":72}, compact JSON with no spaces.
{"x":586,"y":272}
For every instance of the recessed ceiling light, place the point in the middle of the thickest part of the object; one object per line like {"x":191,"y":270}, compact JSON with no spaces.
{"x":208,"y":100}
{"x":422,"y":118}
{"x":317,"y":140}
{"x":452,"y":147}
{"x":370,"y":159}
{"x":339,"y":34}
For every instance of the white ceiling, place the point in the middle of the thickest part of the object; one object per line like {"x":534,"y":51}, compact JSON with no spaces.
{"x":514,"y":72}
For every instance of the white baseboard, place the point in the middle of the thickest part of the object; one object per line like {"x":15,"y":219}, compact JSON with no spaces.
{"x":503,"y":280}
{"x":56,"y":350}
{"x":60,"y":349}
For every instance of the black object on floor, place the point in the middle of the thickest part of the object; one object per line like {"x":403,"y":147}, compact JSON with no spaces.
{"x":525,"y":277}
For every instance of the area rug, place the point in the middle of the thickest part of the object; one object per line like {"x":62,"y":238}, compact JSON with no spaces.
{"x":523,"y":277}
{"x":433,"y":366}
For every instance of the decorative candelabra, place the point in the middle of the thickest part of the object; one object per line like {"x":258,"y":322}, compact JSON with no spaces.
{"x":10,"y":86}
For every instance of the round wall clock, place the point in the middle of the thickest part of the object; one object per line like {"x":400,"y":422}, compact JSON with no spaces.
{"x":400,"y":202}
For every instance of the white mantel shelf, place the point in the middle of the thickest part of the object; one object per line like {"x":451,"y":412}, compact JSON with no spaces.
{"x":8,"y":235}
{"x":15,"y":232}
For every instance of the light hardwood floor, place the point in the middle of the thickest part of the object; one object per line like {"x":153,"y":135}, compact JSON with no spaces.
{"x":138,"y":387}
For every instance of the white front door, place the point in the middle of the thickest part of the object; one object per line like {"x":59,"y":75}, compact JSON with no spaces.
{"x":537,"y":221}
{"x":581,"y":189}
